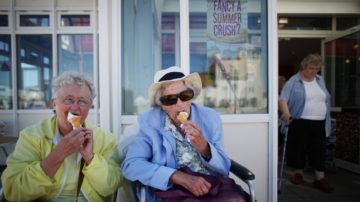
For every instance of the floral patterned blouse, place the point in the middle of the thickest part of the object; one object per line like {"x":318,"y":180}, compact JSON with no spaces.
{"x":186,"y":153}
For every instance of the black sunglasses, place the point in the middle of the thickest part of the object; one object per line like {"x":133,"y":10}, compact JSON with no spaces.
{"x":186,"y":95}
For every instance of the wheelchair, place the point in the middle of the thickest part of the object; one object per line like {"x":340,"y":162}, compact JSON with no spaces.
{"x":238,"y":170}
{"x":130,"y":188}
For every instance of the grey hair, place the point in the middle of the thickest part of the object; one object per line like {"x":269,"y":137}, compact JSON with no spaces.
{"x":312,"y":59}
{"x":72,"y":77}
{"x":163,"y":86}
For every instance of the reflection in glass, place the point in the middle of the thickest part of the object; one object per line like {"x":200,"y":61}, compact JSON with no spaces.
{"x":304,"y":23}
{"x":168,"y":50}
{"x":34,"y":75}
{"x":5,"y":72}
{"x":4,"y":21}
{"x":75,"y":20}
{"x":346,"y":23}
{"x":34,"y":21}
{"x":167,"y":22}
{"x":254,"y":21}
{"x":76,"y":52}
{"x":229,"y":56}
{"x":342,"y":71}
{"x":197,"y":21}
{"x":148,"y":44}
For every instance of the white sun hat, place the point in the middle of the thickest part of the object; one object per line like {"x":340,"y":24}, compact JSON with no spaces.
{"x":173,"y":74}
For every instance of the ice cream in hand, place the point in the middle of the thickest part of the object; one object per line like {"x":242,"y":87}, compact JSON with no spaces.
{"x":183,"y":116}
{"x":74,"y":120}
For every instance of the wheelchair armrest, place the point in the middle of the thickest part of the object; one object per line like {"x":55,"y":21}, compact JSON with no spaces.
{"x":240,"y":171}
{"x":137,"y":183}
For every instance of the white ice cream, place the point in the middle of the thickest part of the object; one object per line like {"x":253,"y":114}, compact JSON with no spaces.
{"x":70,"y":116}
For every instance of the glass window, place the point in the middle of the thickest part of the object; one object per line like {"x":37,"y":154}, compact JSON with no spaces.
{"x":4,"y":21}
{"x":76,"y":52}
{"x":197,"y":21}
{"x":254,"y":21}
{"x":150,"y":31}
{"x":346,"y":23}
{"x":231,"y":61}
{"x":342,"y":68}
{"x":304,"y":23}
{"x":5,"y":73}
{"x":75,"y":20}
{"x":168,"y":50}
{"x":168,"y":22}
{"x":34,"y":75}
{"x":34,"y":21}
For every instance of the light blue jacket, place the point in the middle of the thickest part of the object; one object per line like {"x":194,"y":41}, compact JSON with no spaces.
{"x":151,"y":156}
{"x":294,"y":94}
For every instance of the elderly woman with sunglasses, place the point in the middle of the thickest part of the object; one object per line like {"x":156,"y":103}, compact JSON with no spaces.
{"x":165,"y":144}
{"x":48,"y":156}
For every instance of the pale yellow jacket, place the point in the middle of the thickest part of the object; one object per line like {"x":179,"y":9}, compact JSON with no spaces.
{"x":24,"y":179}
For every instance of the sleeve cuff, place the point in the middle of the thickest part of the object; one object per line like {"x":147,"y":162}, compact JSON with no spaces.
{"x":161,"y":178}
{"x":212,"y":162}
{"x":94,"y":163}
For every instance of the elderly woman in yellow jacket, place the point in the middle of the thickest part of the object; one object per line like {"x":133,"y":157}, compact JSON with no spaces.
{"x":46,"y":162}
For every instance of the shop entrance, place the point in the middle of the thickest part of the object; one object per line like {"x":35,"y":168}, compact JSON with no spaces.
{"x":292,"y":51}
{"x":342,"y":77}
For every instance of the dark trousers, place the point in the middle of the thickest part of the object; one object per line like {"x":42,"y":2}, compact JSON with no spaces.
{"x":306,"y":137}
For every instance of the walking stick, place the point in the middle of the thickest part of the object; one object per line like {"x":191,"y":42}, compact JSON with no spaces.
{"x":283,"y":156}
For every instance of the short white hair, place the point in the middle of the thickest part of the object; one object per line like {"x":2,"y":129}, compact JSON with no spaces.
{"x":163,"y":86}
{"x":72,"y":77}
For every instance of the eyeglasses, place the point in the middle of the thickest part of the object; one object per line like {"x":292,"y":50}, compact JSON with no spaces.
{"x":70,"y":101}
{"x":314,"y":69}
{"x":172,"y":99}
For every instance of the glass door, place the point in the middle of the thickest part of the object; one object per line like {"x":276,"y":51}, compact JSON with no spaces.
{"x":342,"y":77}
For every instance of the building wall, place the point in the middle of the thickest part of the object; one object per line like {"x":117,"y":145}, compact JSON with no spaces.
{"x":247,"y":144}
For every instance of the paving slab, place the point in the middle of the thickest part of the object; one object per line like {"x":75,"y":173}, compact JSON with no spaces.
{"x":346,"y":186}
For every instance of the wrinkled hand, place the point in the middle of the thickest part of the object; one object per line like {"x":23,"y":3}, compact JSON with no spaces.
{"x":196,"y":185}
{"x":196,"y":137}
{"x":286,"y":117}
{"x":71,"y":142}
{"x":86,"y":150}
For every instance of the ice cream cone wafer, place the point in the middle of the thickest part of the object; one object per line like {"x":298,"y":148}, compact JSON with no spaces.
{"x":183,"y":116}
{"x":74,"y":120}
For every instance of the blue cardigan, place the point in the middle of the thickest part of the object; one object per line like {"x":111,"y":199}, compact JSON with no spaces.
{"x":151,"y":156}
{"x":294,"y":94}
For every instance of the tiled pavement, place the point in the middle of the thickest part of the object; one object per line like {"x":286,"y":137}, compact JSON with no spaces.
{"x":346,"y":186}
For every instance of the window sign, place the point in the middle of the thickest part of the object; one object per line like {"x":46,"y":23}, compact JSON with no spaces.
{"x":227,"y":22}
{"x":230,"y":56}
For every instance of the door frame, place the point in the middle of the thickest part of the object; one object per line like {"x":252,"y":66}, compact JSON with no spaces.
{"x":340,"y":163}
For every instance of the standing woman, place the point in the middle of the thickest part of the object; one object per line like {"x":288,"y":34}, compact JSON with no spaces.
{"x":306,"y":100}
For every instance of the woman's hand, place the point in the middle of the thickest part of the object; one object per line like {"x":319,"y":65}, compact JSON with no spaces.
{"x":286,"y":117}
{"x":196,"y":185}
{"x":196,"y":137}
{"x":86,"y":150}
{"x":67,"y":146}
{"x":285,"y":110}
